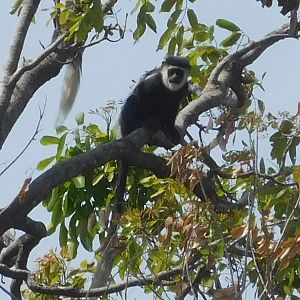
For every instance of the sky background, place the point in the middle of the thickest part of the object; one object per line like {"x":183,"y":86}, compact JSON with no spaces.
{"x":108,"y":71}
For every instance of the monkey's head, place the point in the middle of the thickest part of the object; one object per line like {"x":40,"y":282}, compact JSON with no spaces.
{"x":175,"y":71}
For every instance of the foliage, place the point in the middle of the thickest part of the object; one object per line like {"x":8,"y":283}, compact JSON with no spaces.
{"x":165,"y":225}
{"x":54,"y":269}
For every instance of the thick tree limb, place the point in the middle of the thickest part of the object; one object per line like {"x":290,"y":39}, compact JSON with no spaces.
{"x":26,"y":86}
{"x":42,"y":186}
{"x":15,"y":274}
{"x":29,"y":9}
{"x":25,"y":247}
{"x":9,"y":254}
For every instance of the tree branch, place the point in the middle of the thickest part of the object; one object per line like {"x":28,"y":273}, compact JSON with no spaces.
{"x":227,"y":74}
{"x":113,"y":288}
{"x":25,"y":247}
{"x":9,"y":254}
{"x":41,"y":187}
{"x":28,"y":11}
{"x":16,"y":76}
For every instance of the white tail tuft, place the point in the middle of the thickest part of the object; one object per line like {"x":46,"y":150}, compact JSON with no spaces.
{"x":70,"y":89}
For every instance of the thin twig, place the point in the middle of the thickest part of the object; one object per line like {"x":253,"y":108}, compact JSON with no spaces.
{"x":16,"y":76}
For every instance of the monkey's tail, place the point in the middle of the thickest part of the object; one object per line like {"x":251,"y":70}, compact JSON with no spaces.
{"x":121,"y":185}
{"x":70,"y":88}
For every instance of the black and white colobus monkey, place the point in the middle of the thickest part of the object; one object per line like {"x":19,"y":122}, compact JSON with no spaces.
{"x":154,"y":104}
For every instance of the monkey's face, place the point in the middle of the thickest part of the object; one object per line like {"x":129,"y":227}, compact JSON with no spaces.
{"x":173,"y":77}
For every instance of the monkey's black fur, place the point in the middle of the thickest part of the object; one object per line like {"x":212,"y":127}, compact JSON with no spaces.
{"x":154,"y":104}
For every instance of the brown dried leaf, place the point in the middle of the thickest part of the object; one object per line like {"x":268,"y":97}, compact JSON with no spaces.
{"x":193,"y":180}
{"x":187,"y":229}
{"x":226,"y":294}
{"x":169,"y":230}
{"x":24,"y":190}
{"x":240,"y":231}
{"x":188,"y":219}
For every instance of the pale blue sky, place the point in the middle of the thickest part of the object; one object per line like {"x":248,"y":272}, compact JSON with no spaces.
{"x":108,"y":71}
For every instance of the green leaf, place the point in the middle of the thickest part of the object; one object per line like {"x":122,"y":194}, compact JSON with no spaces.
{"x":165,"y":38}
{"x":179,"y":38}
{"x":61,"y":129}
{"x":93,"y":128}
{"x":262,"y":167}
{"x":296,"y":175}
{"x":172,"y":46}
{"x":193,"y":19}
{"x":280,"y":193}
{"x":202,"y":36}
{"x":97,"y":16}
{"x":72,"y":248}
{"x":63,"y":235}
{"x":84,"y":264}
{"x":64,"y":17}
{"x":140,"y":30}
{"x":60,"y":146}
{"x":287,"y":290}
{"x":79,"y":181}
{"x":72,"y":227}
{"x":278,"y":144}
{"x":97,"y":178}
{"x":51,"y":229}
{"x":57,"y":215}
{"x":150,"y":22}
{"x":222,"y":23}
{"x":173,"y":18}
{"x":16,"y":6}
{"x":85,"y":238}
{"x":79,"y":118}
{"x":167,"y":5}
{"x":141,"y":23}
{"x":49,"y":140}
{"x":73,"y":29}
{"x":286,"y":126}
{"x":179,"y":4}
{"x":53,"y":199}
{"x":150,"y":7}
{"x":45,"y":163}
{"x":231,"y":40}
{"x":65,"y":203}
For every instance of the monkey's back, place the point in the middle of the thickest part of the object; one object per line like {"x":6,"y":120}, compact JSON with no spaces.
{"x":151,"y":101}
